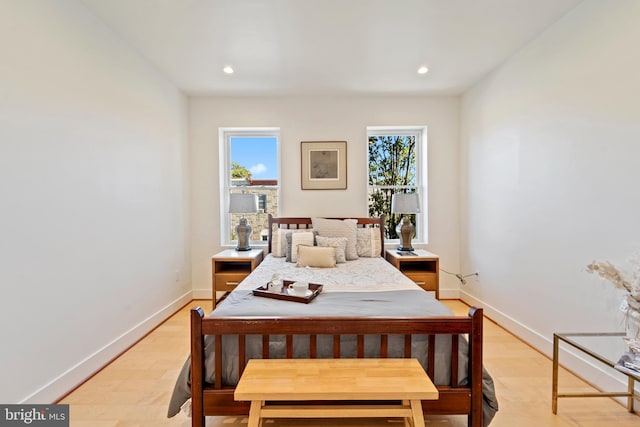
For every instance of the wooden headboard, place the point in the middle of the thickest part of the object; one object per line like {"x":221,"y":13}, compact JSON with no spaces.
{"x":302,"y":223}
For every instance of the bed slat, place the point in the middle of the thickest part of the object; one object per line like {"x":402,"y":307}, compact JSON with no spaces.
{"x":407,"y":346}
{"x":431,"y":362}
{"x":242,"y":348}
{"x":218,"y":361}
{"x":454,"y":360}
{"x":313,"y":346}
{"x":265,"y":346}
{"x":289,"y":340}
{"x":360,"y":351}
{"x":384,"y":346}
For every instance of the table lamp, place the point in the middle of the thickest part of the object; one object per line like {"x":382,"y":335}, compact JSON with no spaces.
{"x":405,"y":203}
{"x":243,"y":203}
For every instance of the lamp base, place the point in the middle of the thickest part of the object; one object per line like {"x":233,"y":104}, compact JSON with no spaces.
{"x":243,"y":231}
{"x":405,"y":231}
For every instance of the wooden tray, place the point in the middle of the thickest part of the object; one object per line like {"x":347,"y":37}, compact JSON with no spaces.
{"x":263,"y":291}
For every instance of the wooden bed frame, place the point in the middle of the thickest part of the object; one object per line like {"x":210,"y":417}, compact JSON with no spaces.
{"x":217,"y":399}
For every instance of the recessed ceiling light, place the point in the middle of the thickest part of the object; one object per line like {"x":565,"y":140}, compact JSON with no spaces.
{"x":228,"y":69}
{"x":423,"y":69}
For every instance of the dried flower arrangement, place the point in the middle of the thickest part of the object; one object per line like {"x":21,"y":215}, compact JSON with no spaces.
{"x":630,"y":283}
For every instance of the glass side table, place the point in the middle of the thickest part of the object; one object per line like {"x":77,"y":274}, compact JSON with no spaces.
{"x":606,"y":347}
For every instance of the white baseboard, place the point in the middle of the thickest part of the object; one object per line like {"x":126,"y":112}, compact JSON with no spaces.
{"x":449,"y":294}
{"x":202,"y":293}
{"x":84,"y":369}
{"x":575,"y":361}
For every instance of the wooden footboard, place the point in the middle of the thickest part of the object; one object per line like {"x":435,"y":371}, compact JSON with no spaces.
{"x":218,"y":400}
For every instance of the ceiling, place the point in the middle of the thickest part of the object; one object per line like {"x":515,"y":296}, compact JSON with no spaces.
{"x":310,"y":47}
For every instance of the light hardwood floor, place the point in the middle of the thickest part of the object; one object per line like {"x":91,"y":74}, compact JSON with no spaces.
{"x":134,"y":389}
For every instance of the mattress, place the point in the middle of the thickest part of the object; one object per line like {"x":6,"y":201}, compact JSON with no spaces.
{"x":361,"y":275}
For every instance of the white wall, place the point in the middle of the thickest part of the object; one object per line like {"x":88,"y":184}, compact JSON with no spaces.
{"x":550,"y":144}
{"x":93,"y":200}
{"x":323,"y":119}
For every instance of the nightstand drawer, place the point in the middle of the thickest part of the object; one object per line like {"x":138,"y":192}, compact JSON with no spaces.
{"x":426,"y":281}
{"x":228,"y":281}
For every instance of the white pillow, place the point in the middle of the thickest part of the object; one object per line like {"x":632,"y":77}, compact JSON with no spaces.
{"x":297,"y":238}
{"x":368,"y":243}
{"x":279,"y":240}
{"x":339,"y":228}
{"x":316,"y":256}
{"x":340,"y":243}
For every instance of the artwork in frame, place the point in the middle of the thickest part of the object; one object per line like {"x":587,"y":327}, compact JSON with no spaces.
{"x":324,"y":165}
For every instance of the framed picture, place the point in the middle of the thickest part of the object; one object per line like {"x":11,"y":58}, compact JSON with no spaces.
{"x":324,"y":165}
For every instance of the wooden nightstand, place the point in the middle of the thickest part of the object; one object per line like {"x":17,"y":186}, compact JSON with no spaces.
{"x":423,"y":268}
{"x":229,"y":267}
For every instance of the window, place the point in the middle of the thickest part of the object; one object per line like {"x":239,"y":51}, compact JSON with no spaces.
{"x":249,"y":164}
{"x":397,"y":163}
{"x":262,"y":202}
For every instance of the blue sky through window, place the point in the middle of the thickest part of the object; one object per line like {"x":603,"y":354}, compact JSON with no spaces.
{"x":258,"y":154}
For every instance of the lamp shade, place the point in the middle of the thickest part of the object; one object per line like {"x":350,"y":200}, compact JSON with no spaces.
{"x":243,"y":203}
{"x":405,"y":203}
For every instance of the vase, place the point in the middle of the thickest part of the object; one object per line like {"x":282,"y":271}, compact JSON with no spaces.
{"x":632,"y":328}
{"x":630,"y":307}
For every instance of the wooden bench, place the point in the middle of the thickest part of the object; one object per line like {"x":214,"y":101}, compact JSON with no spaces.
{"x":277,"y":380}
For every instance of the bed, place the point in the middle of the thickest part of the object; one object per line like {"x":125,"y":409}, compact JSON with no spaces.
{"x":367,"y":308}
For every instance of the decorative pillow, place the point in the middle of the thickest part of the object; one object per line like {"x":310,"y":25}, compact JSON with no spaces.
{"x":297,"y":238}
{"x":279,"y":240}
{"x":368,"y":242}
{"x":316,"y":256}
{"x":339,"y":228}
{"x":340,"y":243}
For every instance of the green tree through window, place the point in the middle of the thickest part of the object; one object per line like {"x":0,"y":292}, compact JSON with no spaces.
{"x":239,"y":171}
{"x":392,"y":169}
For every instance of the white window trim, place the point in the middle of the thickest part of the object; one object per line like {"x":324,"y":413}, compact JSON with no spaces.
{"x":224,"y":144}
{"x":422,"y":219}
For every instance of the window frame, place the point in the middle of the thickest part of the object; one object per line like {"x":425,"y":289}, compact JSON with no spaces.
{"x":421,"y":187}
{"x":224,"y":145}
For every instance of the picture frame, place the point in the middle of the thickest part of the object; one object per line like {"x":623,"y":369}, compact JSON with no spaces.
{"x":323,"y":165}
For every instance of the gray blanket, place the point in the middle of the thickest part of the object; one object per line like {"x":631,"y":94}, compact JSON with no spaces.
{"x":408,"y":303}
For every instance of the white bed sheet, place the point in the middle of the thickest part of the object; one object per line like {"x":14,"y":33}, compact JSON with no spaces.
{"x":363,"y":274}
